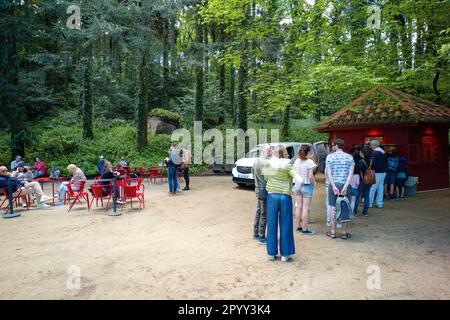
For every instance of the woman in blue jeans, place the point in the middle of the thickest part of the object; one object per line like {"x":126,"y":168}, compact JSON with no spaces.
{"x":279,"y":204}
{"x":363,"y":164}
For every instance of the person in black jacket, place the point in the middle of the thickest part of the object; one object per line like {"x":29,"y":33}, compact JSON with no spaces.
{"x":379,"y":165}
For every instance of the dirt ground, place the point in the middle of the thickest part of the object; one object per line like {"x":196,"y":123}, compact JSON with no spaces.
{"x":198,"y":245}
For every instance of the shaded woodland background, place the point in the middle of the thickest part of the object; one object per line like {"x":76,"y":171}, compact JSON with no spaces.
{"x":70,"y":95}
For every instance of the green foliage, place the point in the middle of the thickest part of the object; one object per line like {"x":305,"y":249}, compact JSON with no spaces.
{"x":61,"y":146}
{"x":166,"y":115}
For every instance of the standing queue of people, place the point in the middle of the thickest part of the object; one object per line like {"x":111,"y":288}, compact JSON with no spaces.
{"x":367,"y":173}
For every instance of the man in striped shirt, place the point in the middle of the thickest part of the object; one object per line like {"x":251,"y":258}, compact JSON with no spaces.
{"x":339,"y":170}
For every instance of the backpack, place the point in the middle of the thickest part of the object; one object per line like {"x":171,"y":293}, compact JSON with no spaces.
{"x":369,"y":177}
{"x":175,"y":156}
{"x":54,"y":173}
{"x":344,"y":212}
{"x":392,"y":164}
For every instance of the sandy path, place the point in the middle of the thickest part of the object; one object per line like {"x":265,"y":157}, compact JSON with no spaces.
{"x":198,"y":246}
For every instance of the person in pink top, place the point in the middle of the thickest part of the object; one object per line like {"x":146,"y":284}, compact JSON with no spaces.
{"x":39,"y":168}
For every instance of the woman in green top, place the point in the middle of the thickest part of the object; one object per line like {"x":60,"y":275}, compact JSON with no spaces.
{"x":279,"y":204}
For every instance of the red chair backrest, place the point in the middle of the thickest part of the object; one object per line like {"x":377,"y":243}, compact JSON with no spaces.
{"x":130,"y":191}
{"x":97,"y":190}
{"x":154,"y":172}
{"x":97,"y":179}
{"x":138,"y":182}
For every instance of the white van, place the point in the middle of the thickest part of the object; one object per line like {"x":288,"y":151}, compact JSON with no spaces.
{"x":242,"y":170}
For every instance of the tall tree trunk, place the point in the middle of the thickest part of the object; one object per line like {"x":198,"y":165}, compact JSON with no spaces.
{"x":222,"y":76}
{"x":142,"y":104}
{"x":232,"y":94}
{"x":286,"y":120}
{"x":199,"y":70}
{"x":393,"y":47}
{"x":166,"y":47}
{"x":206,"y":53}
{"x":242,"y":91}
{"x":406,"y":46}
{"x":87,"y":111}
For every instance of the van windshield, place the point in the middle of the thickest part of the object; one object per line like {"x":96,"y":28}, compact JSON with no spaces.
{"x":252,"y":153}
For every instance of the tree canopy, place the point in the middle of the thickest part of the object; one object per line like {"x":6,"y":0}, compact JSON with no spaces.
{"x":234,"y":61}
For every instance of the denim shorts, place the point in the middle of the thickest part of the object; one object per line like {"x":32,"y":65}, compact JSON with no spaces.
{"x":332,"y":197}
{"x":400,"y":182}
{"x":306,"y":190}
{"x":390,"y":178}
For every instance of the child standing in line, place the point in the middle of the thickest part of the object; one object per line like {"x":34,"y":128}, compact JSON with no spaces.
{"x":402,"y":176}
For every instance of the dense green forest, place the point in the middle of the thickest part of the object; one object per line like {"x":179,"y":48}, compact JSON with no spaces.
{"x":69,"y":94}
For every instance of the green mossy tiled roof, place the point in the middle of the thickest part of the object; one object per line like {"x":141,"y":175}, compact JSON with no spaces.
{"x":382,"y":106}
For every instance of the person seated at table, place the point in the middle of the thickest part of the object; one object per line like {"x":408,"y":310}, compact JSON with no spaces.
{"x":75,"y":182}
{"x":39,"y":168}
{"x":106,"y":180}
{"x":15,"y":162}
{"x":123,"y":162}
{"x":26,"y":188}
{"x":23,"y":173}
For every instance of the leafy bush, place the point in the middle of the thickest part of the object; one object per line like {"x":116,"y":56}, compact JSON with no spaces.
{"x":167,"y":115}
{"x":64,"y":145}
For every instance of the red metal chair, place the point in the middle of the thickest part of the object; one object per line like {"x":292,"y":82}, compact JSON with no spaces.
{"x":76,"y":195}
{"x":97,"y":194}
{"x":156,"y":173}
{"x":144,"y":174}
{"x":97,"y":179}
{"x":4,"y":191}
{"x":134,"y":192}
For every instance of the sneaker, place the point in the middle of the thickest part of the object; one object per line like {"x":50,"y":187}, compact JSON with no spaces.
{"x":299,"y":229}
{"x":24,"y":205}
{"x":59,"y":203}
{"x":284,"y":258}
{"x":309,"y":232}
{"x":185,"y":189}
{"x":45,"y":198}
{"x":366,"y":215}
{"x":271,"y":258}
{"x":262,"y":240}
{"x":42,"y":206}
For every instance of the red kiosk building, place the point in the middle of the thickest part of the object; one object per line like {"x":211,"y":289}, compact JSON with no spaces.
{"x":416,"y":128}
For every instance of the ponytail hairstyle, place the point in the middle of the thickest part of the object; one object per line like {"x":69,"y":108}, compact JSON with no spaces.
{"x":304,"y":151}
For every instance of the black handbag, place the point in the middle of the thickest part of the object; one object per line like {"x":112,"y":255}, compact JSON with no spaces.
{"x":262,"y":193}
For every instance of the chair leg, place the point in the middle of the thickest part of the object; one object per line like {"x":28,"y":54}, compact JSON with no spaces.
{"x":107,"y":203}
{"x":87,"y":200}
{"x":73,"y":203}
